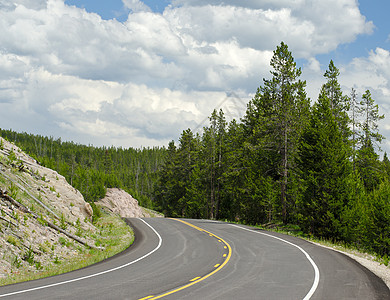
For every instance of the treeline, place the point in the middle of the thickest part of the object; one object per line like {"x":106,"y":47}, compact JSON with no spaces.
{"x":289,"y":161}
{"x":91,"y":169}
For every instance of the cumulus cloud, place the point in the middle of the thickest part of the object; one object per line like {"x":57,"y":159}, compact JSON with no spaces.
{"x":103,"y":110}
{"x":136,"y":5}
{"x":309,"y":27}
{"x":65,"y":71}
{"x":372,"y":72}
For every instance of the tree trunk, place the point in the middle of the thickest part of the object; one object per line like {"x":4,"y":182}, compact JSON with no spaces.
{"x":283,"y":193}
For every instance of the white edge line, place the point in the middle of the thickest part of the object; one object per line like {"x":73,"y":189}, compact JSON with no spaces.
{"x":316,"y":270}
{"x":92,"y":275}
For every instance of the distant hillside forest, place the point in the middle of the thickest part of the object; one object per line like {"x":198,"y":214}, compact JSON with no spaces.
{"x":91,"y":169}
{"x":288,"y":160}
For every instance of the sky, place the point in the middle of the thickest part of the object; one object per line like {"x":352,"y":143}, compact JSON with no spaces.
{"x":133,"y":73}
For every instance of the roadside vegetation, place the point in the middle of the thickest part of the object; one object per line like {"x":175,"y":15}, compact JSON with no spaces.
{"x":295,"y":230}
{"x":113,"y":237}
{"x":46,"y":227}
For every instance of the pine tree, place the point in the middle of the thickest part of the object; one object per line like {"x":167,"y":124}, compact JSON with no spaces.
{"x":275,"y":118}
{"x":165,"y":187}
{"x":354,"y":108}
{"x":370,"y":112}
{"x":324,"y":163}
{"x":368,"y":163}
{"x":231,"y":177}
{"x":324,"y":169}
{"x":386,"y":166}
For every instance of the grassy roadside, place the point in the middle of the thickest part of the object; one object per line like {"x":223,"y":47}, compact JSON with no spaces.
{"x":294,"y":230}
{"x":336,"y":245}
{"x":113,"y":235}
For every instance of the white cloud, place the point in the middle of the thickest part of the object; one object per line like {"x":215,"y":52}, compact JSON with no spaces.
{"x":372,"y":72}
{"x":309,"y":27}
{"x":69,"y":72}
{"x":136,"y":5}
{"x":105,"y":111}
{"x":161,"y":111}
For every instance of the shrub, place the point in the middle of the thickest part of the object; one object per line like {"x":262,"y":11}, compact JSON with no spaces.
{"x":12,"y":157}
{"x":17,"y":262}
{"x":13,"y":190}
{"x":63,"y":225}
{"x":62,"y":240}
{"x":13,"y":240}
{"x":79,"y":231}
{"x":29,"y":256}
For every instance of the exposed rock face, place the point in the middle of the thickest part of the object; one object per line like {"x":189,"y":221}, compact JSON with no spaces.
{"x":51,"y":186}
{"x":48,"y":195}
{"x":88,"y":209}
{"x":120,"y":202}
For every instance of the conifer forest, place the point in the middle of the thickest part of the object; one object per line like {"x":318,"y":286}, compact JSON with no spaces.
{"x":313,"y":163}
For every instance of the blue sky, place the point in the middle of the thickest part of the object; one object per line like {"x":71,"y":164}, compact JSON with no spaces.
{"x":115,"y":8}
{"x":378,"y":12}
{"x":145,"y":70}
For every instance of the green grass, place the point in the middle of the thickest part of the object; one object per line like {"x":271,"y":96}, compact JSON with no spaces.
{"x":113,"y":236}
{"x":294,"y":230}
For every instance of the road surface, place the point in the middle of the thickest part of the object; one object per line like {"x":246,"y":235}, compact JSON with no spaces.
{"x":201,"y":259}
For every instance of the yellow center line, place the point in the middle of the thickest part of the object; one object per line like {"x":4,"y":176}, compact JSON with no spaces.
{"x":148,"y":297}
{"x":196,"y":278}
{"x":199,"y":279}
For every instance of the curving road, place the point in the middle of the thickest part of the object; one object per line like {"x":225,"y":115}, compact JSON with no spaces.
{"x":201,"y":259}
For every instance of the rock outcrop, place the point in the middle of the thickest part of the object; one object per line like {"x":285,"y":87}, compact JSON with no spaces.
{"x":43,"y":219}
{"x":119,"y":202}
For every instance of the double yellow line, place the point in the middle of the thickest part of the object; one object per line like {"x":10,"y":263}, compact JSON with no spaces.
{"x":197,"y":279}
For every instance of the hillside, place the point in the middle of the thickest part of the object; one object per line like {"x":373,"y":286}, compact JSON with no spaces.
{"x":92,"y":169}
{"x":46,"y":227}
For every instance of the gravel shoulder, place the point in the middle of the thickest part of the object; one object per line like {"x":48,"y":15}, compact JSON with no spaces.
{"x":367,"y":261}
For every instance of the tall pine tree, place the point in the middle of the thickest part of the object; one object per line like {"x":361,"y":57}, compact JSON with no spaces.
{"x":368,"y":163}
{"x":324,"y":162}
{"x":275,"y":119}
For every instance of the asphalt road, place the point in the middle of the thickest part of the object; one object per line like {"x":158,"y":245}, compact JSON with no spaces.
{"x":200,"y":259}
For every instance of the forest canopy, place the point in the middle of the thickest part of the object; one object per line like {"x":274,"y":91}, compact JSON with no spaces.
{"x":291,"y":160}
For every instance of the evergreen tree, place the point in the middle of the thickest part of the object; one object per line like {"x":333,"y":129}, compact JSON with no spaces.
{"x":324,"y":170}
{"x":324,"y":164}
{"x":386,"y":166}
{"x":275,"y":118}
{"x":213,"y":141}
{"x":368,"y":163}
{"x":354,"y":108}
{"x":166,"y":188}
{"x":339,"y":103}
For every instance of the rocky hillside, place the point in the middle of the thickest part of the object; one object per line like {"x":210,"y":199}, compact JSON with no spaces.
{"x":45,"y":224}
